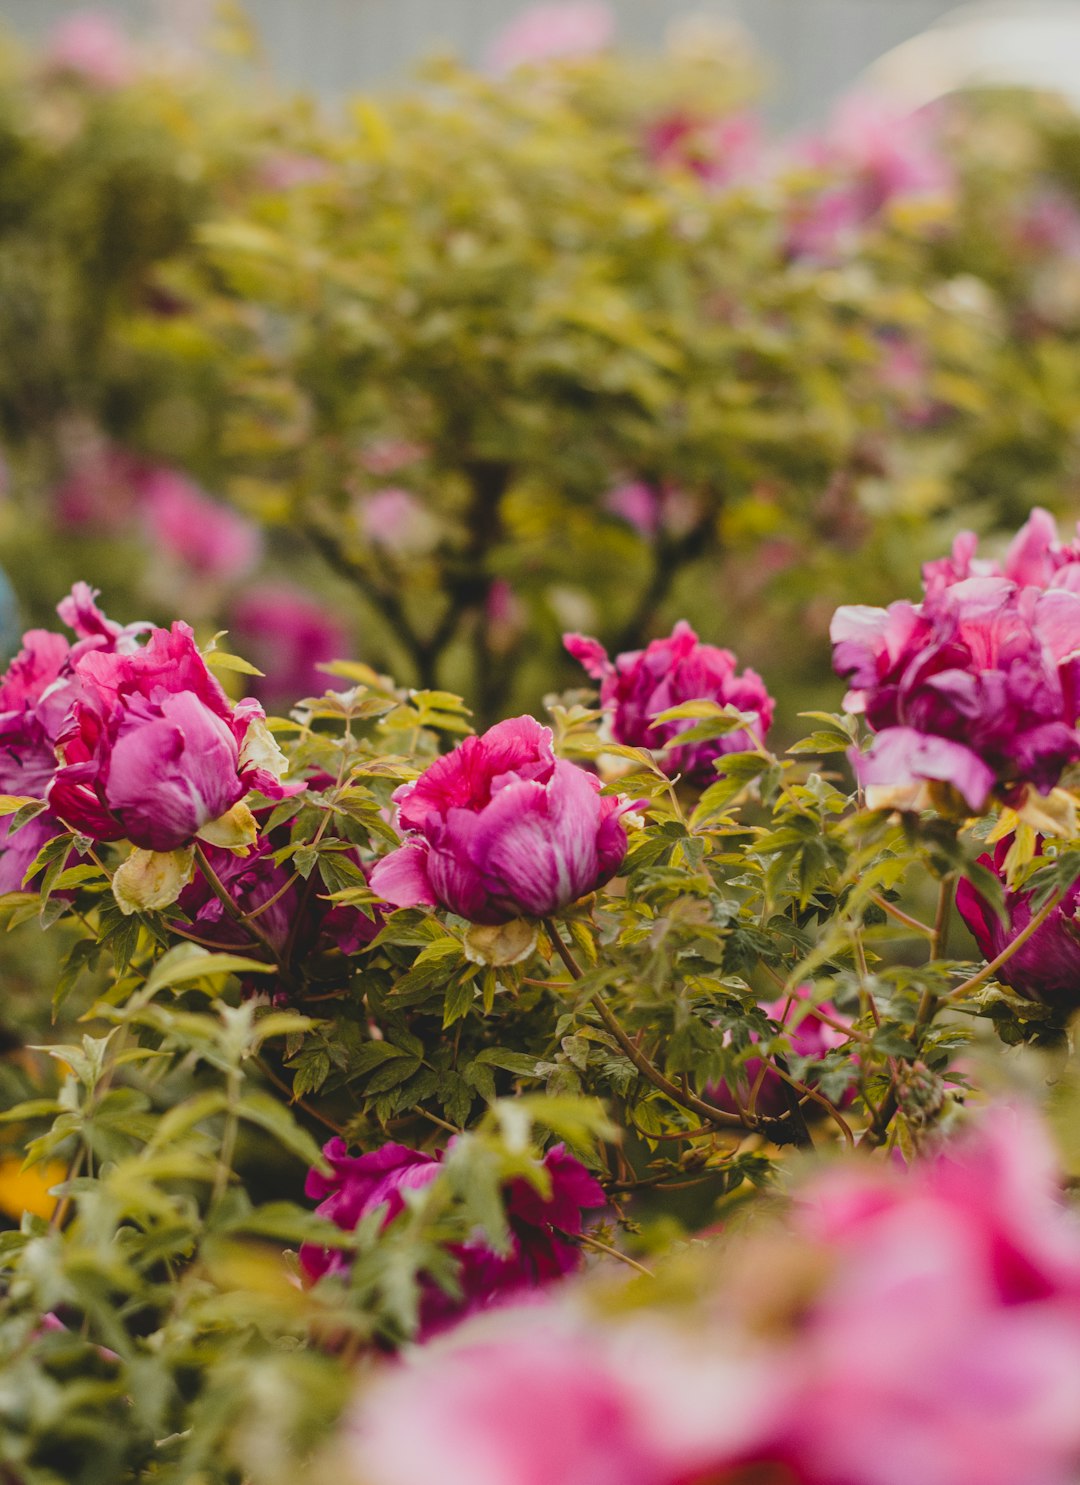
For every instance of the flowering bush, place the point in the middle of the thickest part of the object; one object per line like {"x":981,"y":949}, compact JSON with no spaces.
{"x":384,"y":1023}
{"x":400,"y":1087}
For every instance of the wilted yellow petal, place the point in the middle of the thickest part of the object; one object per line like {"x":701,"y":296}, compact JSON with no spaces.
{"x":152,"y":879}
{"x":236,"y":830}
{"x":505,"y":943}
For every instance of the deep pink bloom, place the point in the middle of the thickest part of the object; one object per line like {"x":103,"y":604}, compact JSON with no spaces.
{"x":156,"y":751}
{"x":199,"y":533}
{"x":637,"y":686}
{"x":37,"y":691}
{"x":810,"y":1037}
{"x":546,"y":33}
{"x":288,"y":635}
{"x":1047,"y":966}
{"x":976,"y":688}
{"x":90,"y":44}
{"x":540,"y":1226}
{"x":502,"y":829}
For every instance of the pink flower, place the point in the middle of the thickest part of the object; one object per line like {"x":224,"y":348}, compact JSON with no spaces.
{"x":387,"y":455}
{"x":207,"y":538}
{"x":640,"y":684}
{"x":102,"y":488}
{"x":811,"y":1039}
{"x":155,"y":751}
{"x":288,"y":635}
{"x":90,"y":44}
{"x":501,"y":829}
{"x":396,"y":521}
{"x":1047,"y":966}
{"x":546,"y":33}
{"x":638,"y":505}
{"x":37,"y":691}
{"x":976,"y":689}
{"x":719,"y":151}
{"x":540,"y":1226}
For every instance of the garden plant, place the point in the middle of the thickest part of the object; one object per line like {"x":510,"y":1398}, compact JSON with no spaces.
{"x":577,"y":985}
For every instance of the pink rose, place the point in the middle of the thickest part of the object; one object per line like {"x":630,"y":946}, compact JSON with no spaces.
{"x":502,"y":829}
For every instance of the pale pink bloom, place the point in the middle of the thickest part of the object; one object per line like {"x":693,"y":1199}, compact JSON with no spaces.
{"x":397,"y":521}
{"x":92,"y":45}
{"x":199,"y":533}
{"x":547,"y":33}
{"x":388,"y":455}
{"x":637,"y":504}
{"x":505,"y":616}
{"x":101,"y":488}
{"x":285,"y":169}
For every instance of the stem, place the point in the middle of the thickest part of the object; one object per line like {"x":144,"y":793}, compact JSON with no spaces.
{"x":228,"y":1138}
{"x":915,"y":924}
{"x":588,"y":1241}
{"x":941,"y":917}
{"x":652,"y":1074}
{"x":283,"y":1087}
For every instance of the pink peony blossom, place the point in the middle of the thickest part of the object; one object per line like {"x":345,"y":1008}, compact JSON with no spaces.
{"x":92,"y":45}
{"x":637,"y":686}
{"x":810,"y":1038}
{"x":182,"y":523}
{"x":548,"y":33}
{"x":1047,"y":966}
{"x":501,"y":829}
{"x":37,"y":691}
{"x":288,"y":635}
{"x":102,"y":488}
{"x":975,"y":689}
{"x":154,"y":751}
{"x":540,"y":1226}
{"x":924,"y":1325}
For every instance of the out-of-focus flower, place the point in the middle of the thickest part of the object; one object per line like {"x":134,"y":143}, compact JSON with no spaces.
{"x":288,"y":635}
{"x":501,"y":829}
{"x":154,"y":752}
{"x":93,"y":46}
{"x":540,"y":1226}
{"x":387,"y":455}
{"x":102,"y":487}
{"x":721,"y":152}
{"x":505,"y":617}
{"x":871,"y":157}
{"x":640,"y":684}
{"x":917,"y":1325}
{"x":1047,"y":966}
{"x":811,"y":1037}
{"x":284,"y":170}
{"x":184,"y":524}
{"x":547,"y":33}
{"x":976,"y":689}
{"x":398,"y":522}
{"x":37,"y":691}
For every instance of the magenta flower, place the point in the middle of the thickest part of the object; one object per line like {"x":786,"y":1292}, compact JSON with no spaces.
{"x":637,"y":686}
{"x":975,"y":689}
{"x":1047,"y":966}
{"x":810,"y":1037}
{"x":540,"y":1226}
{"x":183,"y":523}
{"x":719,"y":151}
{"x":502,"y":829}
{"x":155,"y":751}
{"x":288,"y":635}
{"x":548,"y":33}
{"x":37,"y":691}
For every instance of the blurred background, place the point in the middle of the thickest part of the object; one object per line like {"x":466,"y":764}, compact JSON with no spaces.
{"x":422,"y":332}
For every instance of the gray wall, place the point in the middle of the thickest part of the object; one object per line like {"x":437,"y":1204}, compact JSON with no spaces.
{"x":815,"y":48}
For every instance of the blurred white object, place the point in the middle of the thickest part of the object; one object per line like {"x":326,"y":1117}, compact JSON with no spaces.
{"x":997,"y":43}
